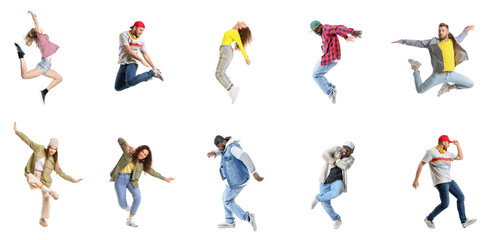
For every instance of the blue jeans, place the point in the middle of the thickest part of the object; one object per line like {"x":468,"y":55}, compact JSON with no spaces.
{"x":460,"y":81}
{"x":44,"y":65}
{"x":454,"y":189}
{"x":231,"y":207}
{"x":126,"y":77}
{"x":318,"y":75}
{"x":328,"y":192}
{"x":122,"y":182}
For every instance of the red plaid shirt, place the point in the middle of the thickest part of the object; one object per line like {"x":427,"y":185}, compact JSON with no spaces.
{"x":331,"y":45}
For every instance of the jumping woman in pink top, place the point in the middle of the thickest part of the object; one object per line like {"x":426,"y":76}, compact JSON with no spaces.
{"x":47,"y":50}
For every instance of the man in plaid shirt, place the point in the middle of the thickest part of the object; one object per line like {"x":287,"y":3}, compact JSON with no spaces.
{"x":331,"y":52}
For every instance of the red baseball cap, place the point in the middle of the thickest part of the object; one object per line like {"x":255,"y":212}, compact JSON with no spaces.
{"x":443,"y":138}
{"x":138,"y":24}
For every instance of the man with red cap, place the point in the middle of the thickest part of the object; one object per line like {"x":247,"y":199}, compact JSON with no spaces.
{"x":440,"y":160}
{"x":130,"y":43}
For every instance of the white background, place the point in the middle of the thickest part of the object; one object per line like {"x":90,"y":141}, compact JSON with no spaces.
{"x":284,"y":120}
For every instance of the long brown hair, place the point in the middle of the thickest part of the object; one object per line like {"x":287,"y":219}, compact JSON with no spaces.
{"x":147,"y":161}
{"x":55,"y":157}
{"x":246,"y":37}
{"x":30,"y":37}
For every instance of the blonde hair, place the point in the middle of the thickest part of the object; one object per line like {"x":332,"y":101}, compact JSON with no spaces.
{"x":30,"y":37}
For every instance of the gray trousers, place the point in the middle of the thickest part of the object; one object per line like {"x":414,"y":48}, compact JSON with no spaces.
{"x":225,"y":57}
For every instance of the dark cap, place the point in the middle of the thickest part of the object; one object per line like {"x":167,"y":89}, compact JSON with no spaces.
{"x":218,"y":139}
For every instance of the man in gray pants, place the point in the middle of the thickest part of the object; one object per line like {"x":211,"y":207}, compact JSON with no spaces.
{"x":333,"y":181}
{"x":445,"y":53}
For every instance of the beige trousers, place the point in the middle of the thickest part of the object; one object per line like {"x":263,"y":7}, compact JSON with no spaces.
{"x":34,"y":182}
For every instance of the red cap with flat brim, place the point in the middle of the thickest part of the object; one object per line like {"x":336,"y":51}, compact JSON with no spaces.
{"x":444,"y":138}
{"x":138,"y":24}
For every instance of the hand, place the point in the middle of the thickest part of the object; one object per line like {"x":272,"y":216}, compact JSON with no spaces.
{"x":130,"y":149}
{"x":248,"y":61}
{"x":258,"y":177}
{"x":350,"y":39}
{"x":31,"y":13}
{"x":335,"y":160}
{"x":15,"y":126}
{"x":456,"y":142}
{"x":211,"y":154}
{"x":470,"y":27}
{"x":397,"y":41}
{"x":157,"y":69}
{"x":168,"y":180}
{"x":415,"y":184}
{"x":78,"y":180}
{"x":357,"y":33}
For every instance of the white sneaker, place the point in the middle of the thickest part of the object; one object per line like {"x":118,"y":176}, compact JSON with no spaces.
{"x":337,"y":224}
{"x":226,"y":225}
{"x":54,"y":195}
{"x":157,"y":74}
{"x":429,"y":223}
{"x":252,"y":221}
{"x":468,"y":222}
{"x":414,"y":64}
{"x":130,"y":222}
{"x":314,"y":202}
{"x":333,"y":95}
{"x":444,"y":89}
{"x":233,"y":93}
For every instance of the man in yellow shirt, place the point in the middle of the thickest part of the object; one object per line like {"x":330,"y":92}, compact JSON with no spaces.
{"x":445,"y":53}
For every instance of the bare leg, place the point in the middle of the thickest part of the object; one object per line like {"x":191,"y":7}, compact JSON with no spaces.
{"x":55,"y":76}
{"x":36,"y":72}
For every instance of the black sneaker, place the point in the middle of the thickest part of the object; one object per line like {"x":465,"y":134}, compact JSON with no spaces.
{"x":43,"y":96}
{"x":19,"y":51}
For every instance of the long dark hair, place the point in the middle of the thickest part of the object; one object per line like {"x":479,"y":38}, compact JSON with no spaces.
{"x":30,"y":37}
{"x":55,"y":157}
{"x":246,"y":37}
{"x":146,"y":162}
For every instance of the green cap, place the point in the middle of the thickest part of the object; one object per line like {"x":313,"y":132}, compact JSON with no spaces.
{"x":315,"y":24}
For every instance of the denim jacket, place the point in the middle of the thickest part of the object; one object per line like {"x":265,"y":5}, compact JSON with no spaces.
{"x":435,"y":51}
{"x":232,"y":169}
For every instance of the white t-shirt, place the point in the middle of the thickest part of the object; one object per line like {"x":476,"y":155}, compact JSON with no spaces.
{"x":40,"y":164}
{"x":136,"y":44}
{"x":439,"y":165}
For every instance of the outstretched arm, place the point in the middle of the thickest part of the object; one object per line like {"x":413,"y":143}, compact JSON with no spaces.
{"x":339,"y":30}
{"x":464,"y":33}
{"x":27,"y":141}
{"x":414,"y":43}
{"x":156,"y":174}
{"x":36,"y":23}
{"x":67,"y":177}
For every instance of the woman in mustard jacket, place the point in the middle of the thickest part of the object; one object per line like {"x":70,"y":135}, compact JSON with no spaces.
{"x":39,"y":168}
{"x":126,"y":175}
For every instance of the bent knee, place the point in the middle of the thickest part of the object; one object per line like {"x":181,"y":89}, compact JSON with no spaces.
{"x":445,"y":204}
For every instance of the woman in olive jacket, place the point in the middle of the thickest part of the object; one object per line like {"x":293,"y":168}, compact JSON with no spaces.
{"x":126,"y":175}
{"x":39,"y":168}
